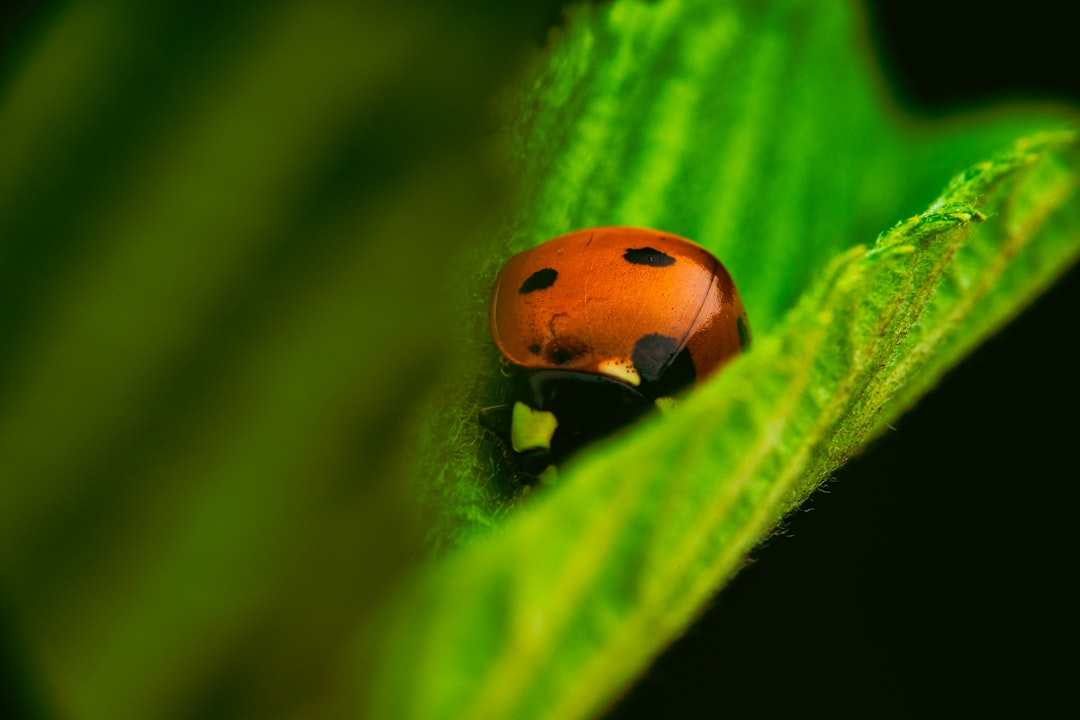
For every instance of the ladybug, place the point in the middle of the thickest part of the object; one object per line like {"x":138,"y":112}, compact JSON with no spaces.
{"x":600,"y":326}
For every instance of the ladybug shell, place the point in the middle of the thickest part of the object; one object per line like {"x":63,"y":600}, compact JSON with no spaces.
{"x":618,"y":301}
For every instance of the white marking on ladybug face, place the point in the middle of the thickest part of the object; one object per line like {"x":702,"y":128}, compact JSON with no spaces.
{"x":623,"y":370}
{"x":531,"y":429}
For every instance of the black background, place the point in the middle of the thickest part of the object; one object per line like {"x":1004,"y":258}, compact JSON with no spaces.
{"x":935,"y":574}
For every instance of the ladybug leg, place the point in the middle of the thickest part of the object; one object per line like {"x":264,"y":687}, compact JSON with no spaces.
{"x":495,"y":422}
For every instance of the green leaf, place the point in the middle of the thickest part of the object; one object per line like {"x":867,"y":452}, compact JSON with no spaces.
{"x":755,"y":131}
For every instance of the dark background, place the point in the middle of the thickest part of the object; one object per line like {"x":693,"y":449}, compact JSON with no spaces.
{"x":935,"y":576}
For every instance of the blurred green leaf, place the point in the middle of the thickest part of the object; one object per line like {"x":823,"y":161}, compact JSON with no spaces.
{"x":224,"y":231}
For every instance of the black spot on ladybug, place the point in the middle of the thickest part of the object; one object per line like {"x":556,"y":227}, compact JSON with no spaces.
{"x":565,"y":349}
{"x":560,"y":356}
{"x":648,"y":256}
{"x":651,"y":355}
{"x":534,"y":349}
{"x":679,"y":375}
{"x":539,"y":280}
{"x":744,"y":332}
